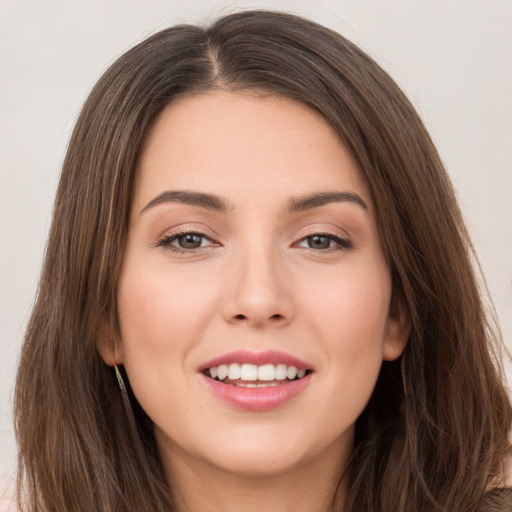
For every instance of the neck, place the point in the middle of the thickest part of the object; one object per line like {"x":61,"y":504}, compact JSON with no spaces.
{"x":198,"y":486}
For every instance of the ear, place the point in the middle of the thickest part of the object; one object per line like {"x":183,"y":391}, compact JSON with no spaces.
{"x":398,"y":328}
{"x":108,"y":343}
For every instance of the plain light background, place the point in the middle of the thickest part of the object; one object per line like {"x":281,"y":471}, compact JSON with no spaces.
{"x":453,"y":58}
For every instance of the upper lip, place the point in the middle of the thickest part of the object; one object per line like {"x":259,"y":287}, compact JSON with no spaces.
{"x":256,"y":358}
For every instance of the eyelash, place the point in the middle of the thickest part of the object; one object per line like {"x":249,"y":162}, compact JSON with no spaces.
{"x":167,"y":241}
{"x":341,"y":244}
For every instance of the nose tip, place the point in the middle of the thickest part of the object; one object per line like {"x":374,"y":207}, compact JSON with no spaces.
{"x":257,"y":314}
{"x":259,"y":296}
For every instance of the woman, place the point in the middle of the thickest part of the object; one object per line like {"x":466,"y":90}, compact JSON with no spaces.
{"x":258,"y":293}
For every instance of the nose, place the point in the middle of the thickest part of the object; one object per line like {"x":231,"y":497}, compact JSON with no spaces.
{"x":259,"y":292}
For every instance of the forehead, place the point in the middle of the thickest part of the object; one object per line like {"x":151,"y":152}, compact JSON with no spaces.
{"x":243,"y":144}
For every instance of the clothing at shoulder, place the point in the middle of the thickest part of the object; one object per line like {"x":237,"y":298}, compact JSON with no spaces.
{"x":497,"y":500}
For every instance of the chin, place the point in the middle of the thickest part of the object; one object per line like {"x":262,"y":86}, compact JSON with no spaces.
{"x":258,"y":463}
{"x":250,"y":453}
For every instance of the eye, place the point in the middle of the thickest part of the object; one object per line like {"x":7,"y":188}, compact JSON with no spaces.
{"x":185,"y":241}
{"x":325,"y":242}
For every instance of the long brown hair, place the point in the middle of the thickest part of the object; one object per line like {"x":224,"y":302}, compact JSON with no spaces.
{"x":434,"y":434}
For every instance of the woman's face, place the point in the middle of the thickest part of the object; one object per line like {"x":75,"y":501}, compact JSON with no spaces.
{"x":253,"y":251}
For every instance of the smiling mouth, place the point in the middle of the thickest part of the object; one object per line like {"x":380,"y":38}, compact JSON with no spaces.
{"x":253,"y":376}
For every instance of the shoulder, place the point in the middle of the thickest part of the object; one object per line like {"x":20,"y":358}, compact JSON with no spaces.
{"x":507,"y":470}
{"x":497,"y":500}
{"x":499,"y":494}
{"x":504,"y":478}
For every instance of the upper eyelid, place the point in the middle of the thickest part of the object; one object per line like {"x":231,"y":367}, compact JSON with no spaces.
{"x":332,"y":236}
{"x":178,"y":234}
{"x":333,"y":232}
{"x":323,"y":233}
{"x":184,"y":229}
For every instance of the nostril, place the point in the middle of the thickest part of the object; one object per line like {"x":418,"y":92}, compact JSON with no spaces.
{"x":277,"y":316}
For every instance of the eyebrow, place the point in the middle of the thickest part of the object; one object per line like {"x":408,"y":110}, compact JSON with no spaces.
{"x":315,"y":200}
{"x":219,"y":204}
{"x":201,"y":199}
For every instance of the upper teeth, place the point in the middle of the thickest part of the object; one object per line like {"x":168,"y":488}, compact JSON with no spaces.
{"x":265,"y":372}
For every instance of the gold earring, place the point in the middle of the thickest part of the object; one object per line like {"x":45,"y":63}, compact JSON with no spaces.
{"x":120,"y":379}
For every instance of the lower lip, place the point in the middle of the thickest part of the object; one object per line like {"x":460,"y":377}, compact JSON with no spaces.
{"x":257,"y":399}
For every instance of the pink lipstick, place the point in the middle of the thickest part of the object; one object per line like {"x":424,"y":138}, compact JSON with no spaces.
{"x":256,"y":381}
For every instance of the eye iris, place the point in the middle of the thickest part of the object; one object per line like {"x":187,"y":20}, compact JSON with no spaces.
{"x":190,"y":241}
{"x":319,"y":242}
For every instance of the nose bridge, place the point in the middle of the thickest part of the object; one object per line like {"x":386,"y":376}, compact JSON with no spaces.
{"x":258,"y":293}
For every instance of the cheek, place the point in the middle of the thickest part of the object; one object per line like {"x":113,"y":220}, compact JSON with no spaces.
{"x":162,"y":311}
{"x":162,"y":316}
{"x":349,"y":321}
{"x":351,"y":309}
